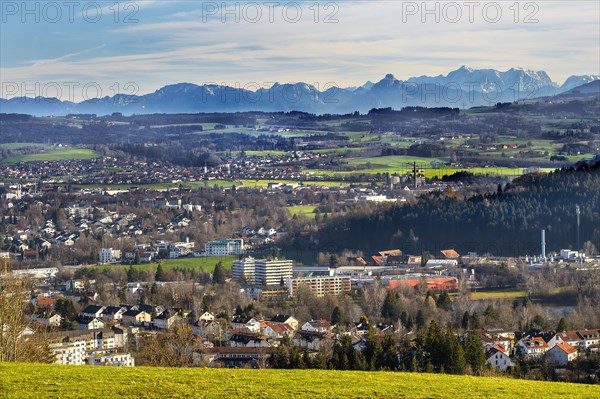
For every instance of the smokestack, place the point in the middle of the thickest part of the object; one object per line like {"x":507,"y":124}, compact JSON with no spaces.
{"x":543,"y":244}
{"x":578,"y":213}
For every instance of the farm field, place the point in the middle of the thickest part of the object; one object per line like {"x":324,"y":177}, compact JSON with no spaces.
{"x":306,"y":210}
{"x":204,"y":263}
{"x":53,"y":154}
{"x":498,"y":294}
{"x":158,"y":186}
{"x":25,"y":381}
{"x":431,"y":167}
{"x":16,"y":146}
{"x":265,"y":183}
{"x":266,"y":153}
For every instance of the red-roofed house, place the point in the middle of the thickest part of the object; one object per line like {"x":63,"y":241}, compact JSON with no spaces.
{"x":570,"y":337}
{"x":449,"y":254}
{"x":531,"y":347}
{"x":562,"y":354}
{"x":278,"y":331}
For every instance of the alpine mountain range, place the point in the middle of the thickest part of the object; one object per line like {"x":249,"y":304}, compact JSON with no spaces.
{"x":464,"y":87}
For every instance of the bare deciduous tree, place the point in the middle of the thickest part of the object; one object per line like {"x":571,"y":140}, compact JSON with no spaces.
{"x":20,"y":340}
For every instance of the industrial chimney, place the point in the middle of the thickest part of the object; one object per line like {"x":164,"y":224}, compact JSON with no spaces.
{"x":543,"y":244}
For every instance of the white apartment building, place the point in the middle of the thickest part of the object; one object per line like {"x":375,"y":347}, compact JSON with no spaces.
{"x":79,"y":211}
{"x":109,"y":255}
{"x":321,"y":286}
{"x":272,"y":272}
{"x":224,"y":247}
{"x":244,"y":269}
{"x":112,"y":359}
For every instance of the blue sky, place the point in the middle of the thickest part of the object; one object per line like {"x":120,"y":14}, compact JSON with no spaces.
{"x":155,"y":43}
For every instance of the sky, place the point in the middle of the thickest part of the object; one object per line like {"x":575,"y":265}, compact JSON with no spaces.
{"x":83,"y":49}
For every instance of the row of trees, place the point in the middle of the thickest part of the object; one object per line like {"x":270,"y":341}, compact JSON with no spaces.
{"x":437,"y":349}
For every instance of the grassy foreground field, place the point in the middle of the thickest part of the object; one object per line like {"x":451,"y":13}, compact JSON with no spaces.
{"x":23,"y":381}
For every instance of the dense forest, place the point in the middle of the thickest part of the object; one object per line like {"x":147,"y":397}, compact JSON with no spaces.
{"x":506,"y":223}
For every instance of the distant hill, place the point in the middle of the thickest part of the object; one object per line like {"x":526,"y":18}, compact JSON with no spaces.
{"x":592,"y":88}
{"x":506,"y":223}
{"x":32,"y":381}
{"x":464,"y":87}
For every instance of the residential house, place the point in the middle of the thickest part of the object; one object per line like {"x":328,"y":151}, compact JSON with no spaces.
{"x":531,"y":348}
{"x":247,"y":338}
{"x":113,"y":313}
{"x":234,"y":357}
{"x":312,"y":340}
{"x":206,"y":316}
{"x":562,"y":354}
{"x":320,"y":326}
{"x":285,"y":319}
{"x":48,"y":321}
{"x":590,"y":337}
{"x":206,"y":328}
{"x":89,"y":323}
{"x":569,"y":337}
{"x":111,"y":359}
{"x":497,"y":359}
{"x":278,"y":331}
{"x":135,"y":317}
{"x":239,"y":322}
{"x":93,"y":311}
{"x":449,"y":254}
{"x":166,"y":319}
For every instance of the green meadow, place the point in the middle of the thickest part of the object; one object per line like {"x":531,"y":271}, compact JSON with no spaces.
{"x":33,"y":381}
{"x":53,"y":154}
{"x":203,"y":263}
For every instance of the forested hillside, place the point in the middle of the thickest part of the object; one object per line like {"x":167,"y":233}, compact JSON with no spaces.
{"x":504,"y":223}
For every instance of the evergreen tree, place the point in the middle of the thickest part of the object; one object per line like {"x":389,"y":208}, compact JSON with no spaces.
{"x":443,"y":301}
{"x":279,"y":359}
{"x":389,"y":354}
{"x":319,"y":362}
{"x":474,"y":353}
{"x":130,"y":274}
{"x":540,"y":322}
{"x":306,"y":359}
{"x":337,"y":316}
{"x":455,"y":361}
{"x":474,"y":322}
{"x":159,"y":276}
{"x":372,"y":352}
{"x":359,"y":362}
{"x":563,"y":325}
{"x":388,"y":309}
{"x":66,"y":309}
{"x":219,"y":274}
{"x":490,"y":313}
{"x":295,"y":360}
{"x":414,"y":365}
{"x":420,"y":319}
{"x":466,"y":320}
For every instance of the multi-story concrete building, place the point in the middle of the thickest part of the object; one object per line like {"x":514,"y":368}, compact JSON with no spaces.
{"x":262,"y":272}
{"x":321,"y":286}
{"x":78,"y":211}
{"x":272,"y":272}
{"x":244,"y":270}
{"x":224,"y":247}
{"x":111,"y":359}
{"x":109,"y":255}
